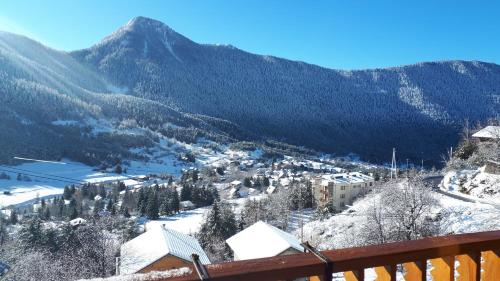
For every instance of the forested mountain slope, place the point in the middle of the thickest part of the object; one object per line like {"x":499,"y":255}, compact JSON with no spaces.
{"x":40,"y":86}
{"x":147,"y":72}
{"x":418,"y":108}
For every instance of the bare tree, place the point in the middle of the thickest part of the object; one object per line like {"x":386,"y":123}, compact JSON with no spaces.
{"x":403,"y":212}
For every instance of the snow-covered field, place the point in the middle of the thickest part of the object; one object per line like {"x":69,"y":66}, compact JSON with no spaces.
{"x":44,"y":179}
{"x":187,"y":222}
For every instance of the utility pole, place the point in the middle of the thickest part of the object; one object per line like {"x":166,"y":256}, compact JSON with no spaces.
{"x":407,"y":167}
{"x":394,"y":169}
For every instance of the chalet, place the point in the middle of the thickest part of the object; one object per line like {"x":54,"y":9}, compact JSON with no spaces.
{"x":340,"y":189}
{"x":186,"y":205}
{"x":235,"y":184}
{"x":488,"y":133}
{"x":159,"y":249}
{"x":77,"y":222}
{"x":262,"y":240}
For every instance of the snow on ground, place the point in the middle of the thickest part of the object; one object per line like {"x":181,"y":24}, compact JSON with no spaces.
{"x":187,"y":222}
{"x":340,"y":230}
{"x":475,"y":183}
{"x":46,"y":179}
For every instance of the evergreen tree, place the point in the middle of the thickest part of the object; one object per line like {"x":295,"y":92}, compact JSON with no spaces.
{"x":152,"y":208}
{"x":175,"y":201}
{"x":247,"y":182}
{"x":219,"y":225}
{"x":109,"y":206}
{"x":73,"y":211}
{"x":13,"y":217}
{"x":265,"y":182}
{"x":165,"y":207}
{"x":67,"y":193}
{"x":125,"y":212}
{"x":186,"y":192}
{"x":102,"y":191}
{"x":31,"y":234}
{"x":46,"y":214}
{"x":141,"y":202}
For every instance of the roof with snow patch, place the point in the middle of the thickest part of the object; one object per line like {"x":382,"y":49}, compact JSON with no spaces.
{"x":488,"y":132}
{"x":262,"y":240}
{"x":156,"y":243}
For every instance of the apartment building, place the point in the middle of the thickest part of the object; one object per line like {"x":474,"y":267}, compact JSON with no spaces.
{"x":341,"y":189}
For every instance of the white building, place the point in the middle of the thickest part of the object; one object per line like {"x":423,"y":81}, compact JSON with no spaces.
{"x":341,"y":189}
{"x":159,"y":249}
{"x":262,"y":240}
{"x":488,"y":133}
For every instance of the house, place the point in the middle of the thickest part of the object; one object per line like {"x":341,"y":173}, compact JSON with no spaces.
{"x":235,"y":184}
{"x":262,"y":240}
{"x":159,"y":249}
{"x":186,"y":205}
{"x":492,"y":167}
{"x":488,"y":133}
{"x":77,"y":222}
{"x":341,"y":189}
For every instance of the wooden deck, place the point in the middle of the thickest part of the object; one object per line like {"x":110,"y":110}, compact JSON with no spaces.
{"x":478,"y":256}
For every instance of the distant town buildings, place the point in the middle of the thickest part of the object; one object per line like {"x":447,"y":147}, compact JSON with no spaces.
{"x":340,"y":189}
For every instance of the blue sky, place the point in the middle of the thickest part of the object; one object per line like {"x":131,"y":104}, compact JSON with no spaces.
{"x":350,"y":34}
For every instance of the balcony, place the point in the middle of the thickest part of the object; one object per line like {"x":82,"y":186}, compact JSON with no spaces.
{"x":471,"y":257}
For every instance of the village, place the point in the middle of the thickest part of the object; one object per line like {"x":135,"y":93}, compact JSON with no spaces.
{"x":166,"y":214}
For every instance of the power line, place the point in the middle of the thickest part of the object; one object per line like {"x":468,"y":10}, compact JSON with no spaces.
{"x":40,"y":173}
{"x":43,"y":177}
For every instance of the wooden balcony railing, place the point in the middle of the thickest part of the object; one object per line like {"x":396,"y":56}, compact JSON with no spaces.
{"x":478,"y":256}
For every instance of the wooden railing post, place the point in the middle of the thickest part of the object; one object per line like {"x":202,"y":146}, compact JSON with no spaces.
{"x":416,"y":271}
{"x":386,"y":273}
{"x":469,"y":268}
{"x":490,"y":266}
{"x":443,"y":269}
{"x":356,"y":275}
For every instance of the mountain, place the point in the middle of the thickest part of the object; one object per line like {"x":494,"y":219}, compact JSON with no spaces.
{"x":418,"y":109}
{"x":42,"y":89}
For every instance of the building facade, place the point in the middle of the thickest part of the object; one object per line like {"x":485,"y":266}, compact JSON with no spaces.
{"x":340,"y":189}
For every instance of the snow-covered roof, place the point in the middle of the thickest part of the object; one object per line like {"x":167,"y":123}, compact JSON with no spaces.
{"x":77,"y":221}
{"x":156,"y":243}
{"x":236,"y":182}
{"x":186,"y":204}
{"x":489,"y":132}
{"x":262,"y":240}
{"x":346,"y":178}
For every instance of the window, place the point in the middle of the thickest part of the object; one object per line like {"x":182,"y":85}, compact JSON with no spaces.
{"x":342,"y":204}
{"x":342,"y":195}
{"x":342,"y":188}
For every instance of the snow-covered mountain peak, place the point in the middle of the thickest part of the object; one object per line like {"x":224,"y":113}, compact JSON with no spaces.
{"x":143,"y":23}
{"x":142,"y":31}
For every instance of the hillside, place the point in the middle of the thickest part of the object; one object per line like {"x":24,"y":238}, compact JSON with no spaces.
{"x":50,"y":104}
{"x":147,"y":74}
{"x":416,"y":108}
